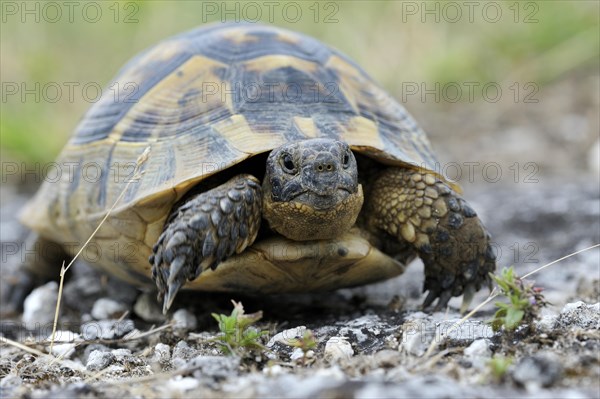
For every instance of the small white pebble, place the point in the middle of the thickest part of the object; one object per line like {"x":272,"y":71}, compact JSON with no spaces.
{"x":162,"y":353}
{"x":478,"y":353}
{"x":68,"y":341}
{"x":106,"y":308}
{"x":479,"y":348}
{"x":121,"y":354}
{"x":297,"y":354}
{"x":39,"y":306}
{"x":546,"y":323}
{"x":287,"y":337}
{"x":183,"y":319}
{"x":99,"y":360}
{"x":273,"y":370}
{"x":182,"y":384}
{"x":338,"y":348}
{"x":414,"y":341}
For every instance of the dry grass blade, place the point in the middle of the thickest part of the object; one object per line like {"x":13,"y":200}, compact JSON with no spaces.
{"x":21,"y":346}
{"x":137,"y":174}
{"x":123,"y":316}
{"x":493,"y":295}
{"x":560,"y":259}
{"x":61,"y":357}
{"x":140,"y":336}
{"x":57,"y":309}
{"x":434,"y":343}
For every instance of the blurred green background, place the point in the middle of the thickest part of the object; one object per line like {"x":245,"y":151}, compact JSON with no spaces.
{"x":394,"y":41}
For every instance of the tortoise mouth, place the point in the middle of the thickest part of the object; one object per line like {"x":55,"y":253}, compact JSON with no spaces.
{"x":301,"y":220}
{"x":322,"y":202}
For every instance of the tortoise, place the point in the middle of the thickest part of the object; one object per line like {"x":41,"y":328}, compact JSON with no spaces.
{"x":276,"y":165}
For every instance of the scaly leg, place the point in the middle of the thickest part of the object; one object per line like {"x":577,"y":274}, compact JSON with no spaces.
{"x":204,"y":231}
{"x":418,"y":208}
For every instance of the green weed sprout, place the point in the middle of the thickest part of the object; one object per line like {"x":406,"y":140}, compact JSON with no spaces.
{"x":525,"y":301}
{"x":236,"y":331}
{"x":305,"y":343}
{"x":498,"y":366}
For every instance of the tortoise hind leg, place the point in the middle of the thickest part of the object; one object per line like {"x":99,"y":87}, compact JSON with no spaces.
{"x":420,"y":209}
{"x":37,"y":261}
{"x":203,"y":231}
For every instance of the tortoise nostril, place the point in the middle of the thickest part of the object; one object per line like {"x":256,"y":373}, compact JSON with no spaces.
{"x":325,"y":166}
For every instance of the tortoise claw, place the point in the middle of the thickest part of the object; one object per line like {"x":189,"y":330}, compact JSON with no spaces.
{"x":468,"y":294}
{"x":170,"y":294}
{"x":431,"y":296}
{"x":443,"y":300}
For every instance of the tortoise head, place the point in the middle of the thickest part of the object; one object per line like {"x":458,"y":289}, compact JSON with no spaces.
{"x":311,"y":190}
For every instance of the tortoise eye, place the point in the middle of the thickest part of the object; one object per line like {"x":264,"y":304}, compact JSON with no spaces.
{"x":288,"y":163}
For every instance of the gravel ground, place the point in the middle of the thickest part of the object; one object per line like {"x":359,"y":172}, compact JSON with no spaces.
{"x":371,"y":341}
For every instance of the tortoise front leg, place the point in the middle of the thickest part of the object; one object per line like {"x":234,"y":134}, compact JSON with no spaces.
{"x":204,"y":231}
{"x":418,"y":208}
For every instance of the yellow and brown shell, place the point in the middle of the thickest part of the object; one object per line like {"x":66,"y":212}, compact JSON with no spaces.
{"x":204,"y":101}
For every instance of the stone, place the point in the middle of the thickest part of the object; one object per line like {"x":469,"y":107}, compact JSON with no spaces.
{"x":214,"y":367}
{"x":40,"y":305}
{"x":181,"y":384}
{"x":337,"y":348}
{"x":121,"y":355}
{"x":580,"y":315}
{"x":65,"y":343}
{"x":148,"y":309}
{"x":162,"y":354}
{"x":478,"y":353}
{"x":93,"y":347}
{"x":540,"y":370}
{"x":416,"y":337}
{"x":183,"y":319}
{"x":106,"y":308}
{"x":106,"y":329}
{"x":287,"y":337}
{"x":546,"y":323}
{"x":182,"y":353}
{"x":99,"y":360}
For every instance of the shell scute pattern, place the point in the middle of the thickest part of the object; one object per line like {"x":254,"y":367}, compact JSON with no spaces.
{"x":189,"y":108}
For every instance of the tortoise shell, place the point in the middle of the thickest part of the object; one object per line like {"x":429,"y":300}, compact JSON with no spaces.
{"x":204,"y":101}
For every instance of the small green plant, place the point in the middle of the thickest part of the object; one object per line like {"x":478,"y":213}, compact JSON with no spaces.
{"x":305,"y":343}
{"x":237,"y":332}
{"x":498,"y":366}
{"x":525,"y":301}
